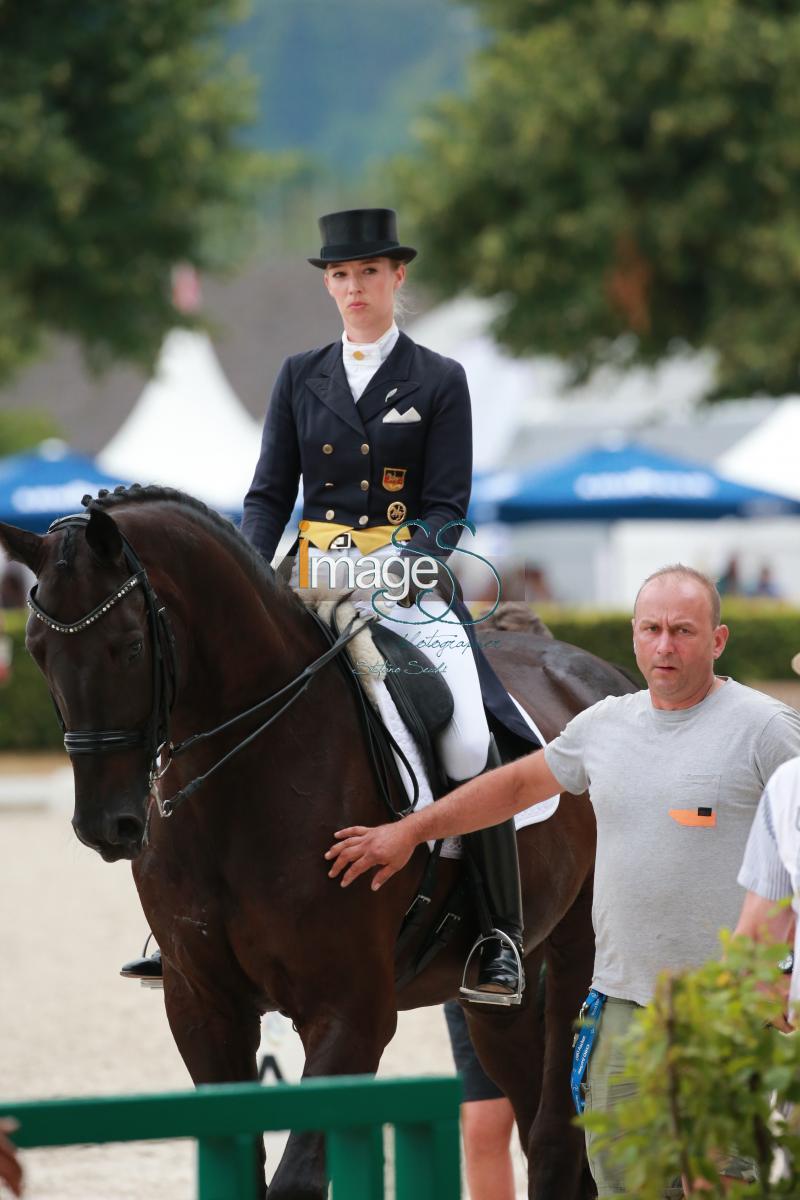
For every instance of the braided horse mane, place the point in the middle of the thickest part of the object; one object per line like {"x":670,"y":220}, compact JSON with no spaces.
{"x":217,"y":525}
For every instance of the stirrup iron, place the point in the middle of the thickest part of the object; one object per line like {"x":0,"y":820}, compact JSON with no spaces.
{"x":497,"y":999}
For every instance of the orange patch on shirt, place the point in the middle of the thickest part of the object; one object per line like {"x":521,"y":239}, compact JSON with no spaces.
{"x":692,"y":818}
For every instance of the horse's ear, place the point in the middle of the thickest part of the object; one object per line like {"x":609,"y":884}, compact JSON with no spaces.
{"x":22,"y":546}
{"x":105,"y":540}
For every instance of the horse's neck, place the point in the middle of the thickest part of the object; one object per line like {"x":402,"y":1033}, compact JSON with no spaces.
{"x":249,"y":637}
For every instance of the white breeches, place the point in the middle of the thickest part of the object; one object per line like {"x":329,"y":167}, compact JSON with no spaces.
{"x":463,"y":745}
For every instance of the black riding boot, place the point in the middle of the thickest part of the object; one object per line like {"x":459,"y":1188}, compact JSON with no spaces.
{"x":493,"y":857}
{"x":148,"y":967}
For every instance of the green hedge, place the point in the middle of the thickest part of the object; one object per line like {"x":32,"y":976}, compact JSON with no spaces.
{"x":27,"y":719}
{"x":764,"y":637}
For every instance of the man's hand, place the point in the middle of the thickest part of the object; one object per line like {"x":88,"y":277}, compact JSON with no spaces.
{"x":360,"y":848}
{"x":10,"y":1169}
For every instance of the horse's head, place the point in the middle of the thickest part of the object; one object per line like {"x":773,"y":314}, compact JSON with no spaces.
{"x":93,"y":633}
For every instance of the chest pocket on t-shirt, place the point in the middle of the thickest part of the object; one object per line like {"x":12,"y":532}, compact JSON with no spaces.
{"x":699,"y":801}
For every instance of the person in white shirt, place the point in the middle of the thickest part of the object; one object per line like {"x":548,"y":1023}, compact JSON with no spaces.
{"x":771,"y":872}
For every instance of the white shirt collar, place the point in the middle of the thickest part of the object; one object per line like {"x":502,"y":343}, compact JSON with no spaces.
{"x":373,"y":353}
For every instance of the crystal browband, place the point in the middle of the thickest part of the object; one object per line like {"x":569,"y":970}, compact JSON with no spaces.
{"x":91,"y":617}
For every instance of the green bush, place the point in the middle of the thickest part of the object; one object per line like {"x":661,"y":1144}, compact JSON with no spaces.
{"x":763,"y":640}
{"x":27,"y":718}
{"x":708,"y":1070}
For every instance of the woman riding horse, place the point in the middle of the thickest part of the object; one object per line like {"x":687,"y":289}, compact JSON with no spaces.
{"x":379,"y":429}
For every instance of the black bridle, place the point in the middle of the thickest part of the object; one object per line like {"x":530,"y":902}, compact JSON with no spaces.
{"x":155,"y":735}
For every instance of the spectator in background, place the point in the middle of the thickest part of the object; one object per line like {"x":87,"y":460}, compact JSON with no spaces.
{"x":730,"y":582}
{"x":537,"y":585}
{"x":765,"y":585}
{"x":10,"y":1169}
{"x":13,"y":586}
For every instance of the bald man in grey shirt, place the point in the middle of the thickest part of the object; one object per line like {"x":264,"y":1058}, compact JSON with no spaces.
{"x":674,"y":774}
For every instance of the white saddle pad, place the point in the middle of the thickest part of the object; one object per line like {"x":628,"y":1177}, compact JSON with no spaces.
{"x":364,"y":653}
{"x":452,"y":846}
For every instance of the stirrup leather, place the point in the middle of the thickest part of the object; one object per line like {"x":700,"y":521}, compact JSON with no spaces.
{"x":502,"y":999}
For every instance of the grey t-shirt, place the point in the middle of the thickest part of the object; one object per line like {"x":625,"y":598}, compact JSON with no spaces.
{"x":674,"y":794}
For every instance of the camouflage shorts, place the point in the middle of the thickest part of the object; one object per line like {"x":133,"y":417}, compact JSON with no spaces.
{"x":736,"y":1167}
{"x":603,"y":1093}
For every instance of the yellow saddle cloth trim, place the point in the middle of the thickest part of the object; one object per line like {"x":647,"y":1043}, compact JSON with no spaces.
{"x":322,"y":533}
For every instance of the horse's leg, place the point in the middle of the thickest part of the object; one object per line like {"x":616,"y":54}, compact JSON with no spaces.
{"x":349,"y":1041}
{"x":510,"y":1045}
{"x":556,"y":1147}
{"x":218,"y":1038}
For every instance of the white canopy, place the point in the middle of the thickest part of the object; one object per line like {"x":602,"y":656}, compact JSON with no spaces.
{"x":768,"y":456}
{"x":512,"y":397}
{"x":188,"y":429}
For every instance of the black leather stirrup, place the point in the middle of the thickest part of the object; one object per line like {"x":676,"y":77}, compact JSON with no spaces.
{"x":494,"y":867}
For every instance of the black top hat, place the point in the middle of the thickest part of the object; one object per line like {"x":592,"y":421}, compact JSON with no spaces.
{"x":360,"y":233}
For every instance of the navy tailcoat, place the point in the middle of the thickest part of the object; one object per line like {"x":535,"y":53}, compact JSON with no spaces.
{"x":403,"y":452}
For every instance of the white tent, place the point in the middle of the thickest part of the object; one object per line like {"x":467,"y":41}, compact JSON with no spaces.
{"x":516,"y":400}
{"x":768,"y":456}
{"x":188,"y":429}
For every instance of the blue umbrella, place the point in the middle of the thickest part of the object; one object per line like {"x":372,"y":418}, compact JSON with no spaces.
{"x":622,"y":483}
{"x":38,"y":486}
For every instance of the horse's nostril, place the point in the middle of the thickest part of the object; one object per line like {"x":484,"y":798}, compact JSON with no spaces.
{"x":129,"y":829}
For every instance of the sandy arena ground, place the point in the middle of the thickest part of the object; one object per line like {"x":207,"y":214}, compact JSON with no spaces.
{"x":69,"y":1026}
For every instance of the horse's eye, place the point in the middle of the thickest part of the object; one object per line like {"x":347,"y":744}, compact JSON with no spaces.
{"x":135,"y":649}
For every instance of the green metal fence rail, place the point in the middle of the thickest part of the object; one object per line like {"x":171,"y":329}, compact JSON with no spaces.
{"x":351,"y":1111}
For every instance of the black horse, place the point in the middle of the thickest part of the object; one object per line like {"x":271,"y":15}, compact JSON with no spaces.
{"x":234,"y":884}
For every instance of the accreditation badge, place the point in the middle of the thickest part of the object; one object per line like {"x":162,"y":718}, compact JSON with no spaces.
{"x":394,"y":478}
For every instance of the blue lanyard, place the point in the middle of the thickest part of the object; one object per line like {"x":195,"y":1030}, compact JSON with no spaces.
{"x":583,"y":1045}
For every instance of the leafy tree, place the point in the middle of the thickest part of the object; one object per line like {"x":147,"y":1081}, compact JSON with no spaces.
{"x":342,"y":81}
{"x":624,"y":173}
{"x":118,"y":158}
{"x":21,"y":429}
{"x":709,"y":1070}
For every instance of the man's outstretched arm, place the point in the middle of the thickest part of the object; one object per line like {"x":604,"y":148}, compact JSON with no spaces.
{"x":486,"y":800}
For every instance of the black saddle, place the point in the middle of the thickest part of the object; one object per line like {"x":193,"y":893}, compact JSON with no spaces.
{"x":421,"y":695}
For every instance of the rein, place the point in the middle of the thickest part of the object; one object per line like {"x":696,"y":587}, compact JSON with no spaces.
{"x":155,"y":735}
{"x":300,"y":683}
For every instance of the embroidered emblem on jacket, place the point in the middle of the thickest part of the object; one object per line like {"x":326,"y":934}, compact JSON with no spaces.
{"x":394,"y":478}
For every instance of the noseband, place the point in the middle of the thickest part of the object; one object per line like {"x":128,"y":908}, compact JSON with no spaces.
{"x":155,"y":734}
